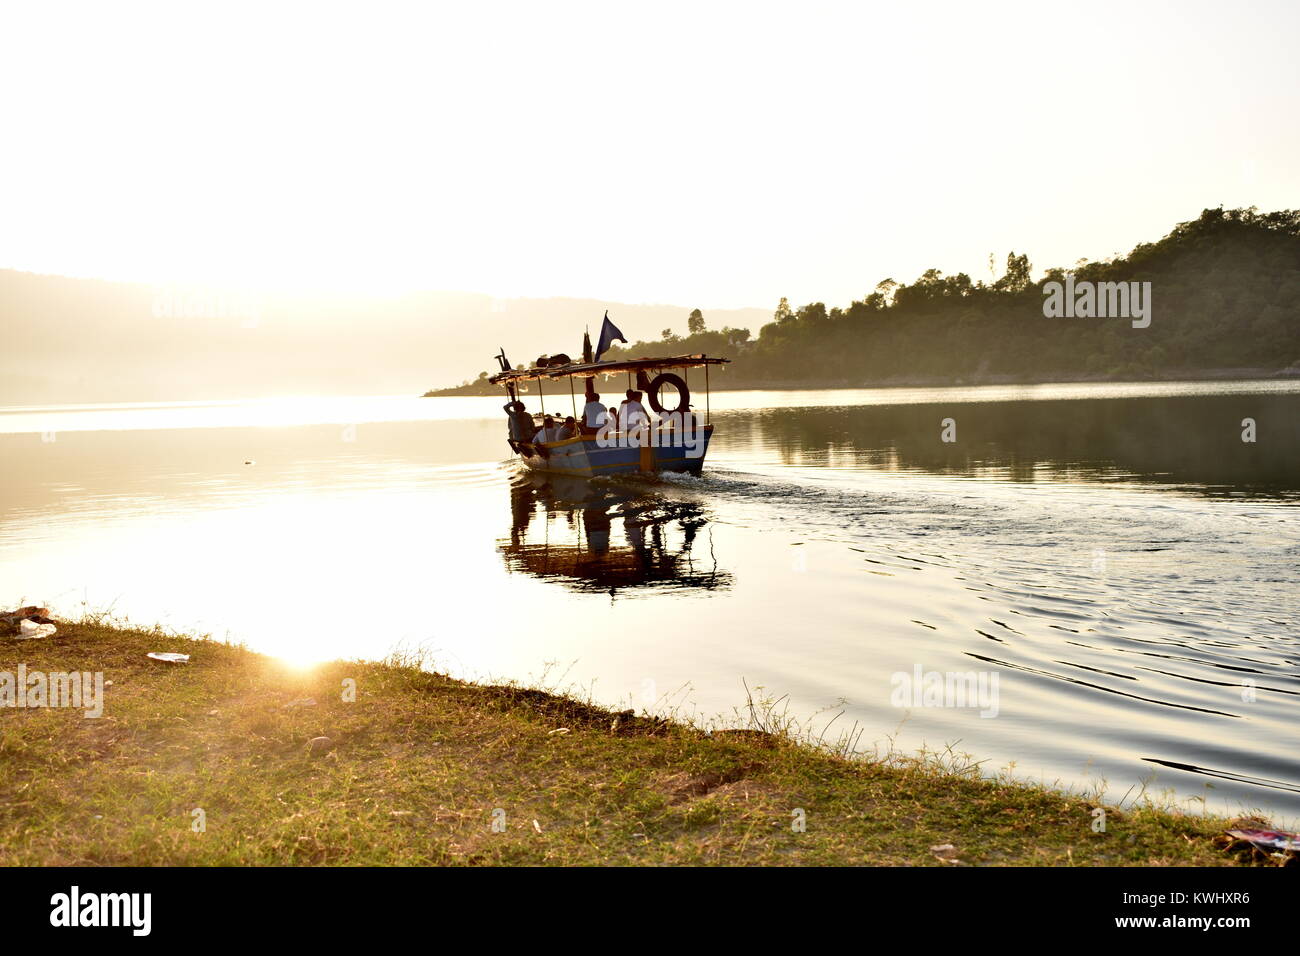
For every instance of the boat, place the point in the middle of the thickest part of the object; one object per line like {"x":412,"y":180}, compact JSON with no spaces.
{"x":676,"y":440}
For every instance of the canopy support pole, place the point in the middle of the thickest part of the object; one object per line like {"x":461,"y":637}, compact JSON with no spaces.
{"x":573,"y":401}
{"x":708,"y":412}
{"x":687,"y":421}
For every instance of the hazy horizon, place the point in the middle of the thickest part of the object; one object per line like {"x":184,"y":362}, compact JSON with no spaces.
{"x":72,"y":340}
{"x":94,"y":340}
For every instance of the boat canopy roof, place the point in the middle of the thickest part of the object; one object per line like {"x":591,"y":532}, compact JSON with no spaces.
{"x":592,"y":369}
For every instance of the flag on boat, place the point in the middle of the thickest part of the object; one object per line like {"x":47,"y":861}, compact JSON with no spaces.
{"x":609,"y":334}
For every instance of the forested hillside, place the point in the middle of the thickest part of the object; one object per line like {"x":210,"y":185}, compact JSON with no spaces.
{"x":1225,"y":290}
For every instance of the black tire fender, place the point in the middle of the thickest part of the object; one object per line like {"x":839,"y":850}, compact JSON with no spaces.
{"x":668,"y":378}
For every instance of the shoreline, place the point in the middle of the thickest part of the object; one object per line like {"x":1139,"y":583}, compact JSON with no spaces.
{"x":282,"y":768}
{"x":935,"y":381}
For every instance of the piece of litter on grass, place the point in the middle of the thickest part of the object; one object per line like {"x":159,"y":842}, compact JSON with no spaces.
{"x":946,"y":853}
{"x":30,"y":630}
{"x":558,"y":730}
{"x":537,"y":826}
{"x":1269,"y":839}
{"x":169,"y":657}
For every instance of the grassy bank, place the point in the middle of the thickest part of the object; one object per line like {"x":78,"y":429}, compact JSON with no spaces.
{"x":415,"y":767}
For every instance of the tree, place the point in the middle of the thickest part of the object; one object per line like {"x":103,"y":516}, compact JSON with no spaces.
{"x":695,"y":324}
{"x":813,"y":314}
{"x":1017,"y":277}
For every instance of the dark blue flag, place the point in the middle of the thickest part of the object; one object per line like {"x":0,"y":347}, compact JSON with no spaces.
{"x":609,"y":334}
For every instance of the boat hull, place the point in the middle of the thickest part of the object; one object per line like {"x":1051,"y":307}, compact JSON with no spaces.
{"x":585,"y":457}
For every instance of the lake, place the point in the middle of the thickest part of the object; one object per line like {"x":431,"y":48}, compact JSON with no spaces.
{"x":1123,"y":564}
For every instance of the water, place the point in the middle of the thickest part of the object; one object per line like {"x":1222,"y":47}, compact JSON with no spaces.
{"x":1115,"y":554}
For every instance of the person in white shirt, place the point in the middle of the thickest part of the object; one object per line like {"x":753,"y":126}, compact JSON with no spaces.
{"x":594,"y":415}
{"x":632,"y":413}
{"x":547,"y":432}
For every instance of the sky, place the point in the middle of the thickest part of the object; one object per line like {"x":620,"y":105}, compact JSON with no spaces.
{"x":701,"y":154}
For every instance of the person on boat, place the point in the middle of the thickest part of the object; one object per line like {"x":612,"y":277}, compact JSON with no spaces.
{"x":632,"y":414}
{"x":593,"y":414}
{"x":547,"y":432}
{"x":521,"y":423}
{"x":569,"y":429}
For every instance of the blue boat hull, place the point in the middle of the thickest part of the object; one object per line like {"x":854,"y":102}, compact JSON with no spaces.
{"x":585,"y":458}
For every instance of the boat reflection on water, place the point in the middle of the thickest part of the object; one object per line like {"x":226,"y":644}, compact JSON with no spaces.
{"x":600,"y":536}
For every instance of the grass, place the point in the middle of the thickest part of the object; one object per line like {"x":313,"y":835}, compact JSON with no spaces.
{"x":419,"y":766}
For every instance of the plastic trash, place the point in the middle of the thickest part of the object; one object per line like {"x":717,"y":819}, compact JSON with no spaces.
{"x":1269,"y":839}
{"x":169,"y":657}
{"x":27,"y":623}
{"x":41,"y":615}
{"x":30,"y":630}
{"x":947,"y":853}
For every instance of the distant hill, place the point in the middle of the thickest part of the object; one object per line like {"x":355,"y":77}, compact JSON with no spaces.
{"x":1225,"y":302}
{"x":88,"y":340}
{"x":1225,"y":291}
